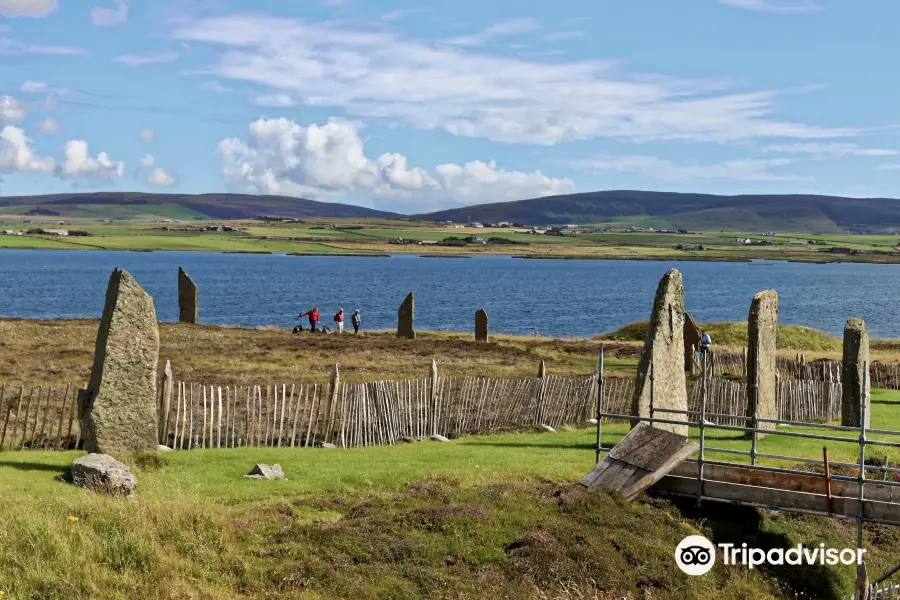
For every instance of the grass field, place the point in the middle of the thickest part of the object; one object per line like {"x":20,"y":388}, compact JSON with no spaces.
{"x":479,"y":517}
{"x":146,"y":232}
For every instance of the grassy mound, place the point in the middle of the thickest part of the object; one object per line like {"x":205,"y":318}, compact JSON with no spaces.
{"x":734,"y":333}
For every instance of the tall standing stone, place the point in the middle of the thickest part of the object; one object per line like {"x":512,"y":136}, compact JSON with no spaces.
{"x":481,"y":325}
{"x":188,"y":303}
{"x":691,"y":341}
{"x":664,"y":348}
{"x":761,"y":331}
{"x":855,"y":364}
{"x":118,"y":411}
{"x":405,"y":316}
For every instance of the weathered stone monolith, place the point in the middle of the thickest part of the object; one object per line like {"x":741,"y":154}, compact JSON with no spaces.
{"x":118,"y":411}
{"x":761,"y":332}
{"x":691,"y":341}
{"x":664,"y":349}
{"x":481,"y":325}
{"x":188,"y":303}
{"x":405,"y":316}
{"x":855,"y":364}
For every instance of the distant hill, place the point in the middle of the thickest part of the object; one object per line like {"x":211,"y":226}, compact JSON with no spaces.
{"x":180,"y":206}
{"x":699,"y":212}
{"x":695,"y":212}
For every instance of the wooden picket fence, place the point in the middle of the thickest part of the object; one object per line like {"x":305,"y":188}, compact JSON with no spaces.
{"x":376,"y":412}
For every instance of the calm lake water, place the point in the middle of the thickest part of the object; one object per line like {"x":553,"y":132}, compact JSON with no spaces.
{"x":555,"y":297}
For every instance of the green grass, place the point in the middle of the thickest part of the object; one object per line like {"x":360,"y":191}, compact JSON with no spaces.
{"x":485,"y":516}
{"x":731,"y":333}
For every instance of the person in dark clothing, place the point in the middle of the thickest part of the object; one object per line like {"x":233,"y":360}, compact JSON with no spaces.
{"x":297,"y":328}
{"x":355,"y":321}
{"x":313,"y":314}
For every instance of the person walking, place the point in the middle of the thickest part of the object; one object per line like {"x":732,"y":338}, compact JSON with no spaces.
{"x":339,"y":320}
{"x":355,"y":321}
{"x":313,"y":314}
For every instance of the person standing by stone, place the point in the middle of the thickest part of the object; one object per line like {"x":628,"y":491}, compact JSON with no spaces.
{"x":705,"y":343}
{"x":356,"y":321}
{"x":313,"y":315}
{"x":339,"y":320}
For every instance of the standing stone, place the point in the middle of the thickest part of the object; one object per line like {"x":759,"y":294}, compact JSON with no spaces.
{"x":188,"y":303}
{"x":664,"y":347}
{"x":761,"y":332}
{"x":691,"y":341}
{"x":481,"y":325}
{"x":118,"y":412}
{"x":405,"y":318}
{"x":855,"y":363}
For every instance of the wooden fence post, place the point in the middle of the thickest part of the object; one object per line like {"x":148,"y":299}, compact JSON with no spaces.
{"x":166,"y":405}
{"x":432,"y":394}
{"x":332,"y":402}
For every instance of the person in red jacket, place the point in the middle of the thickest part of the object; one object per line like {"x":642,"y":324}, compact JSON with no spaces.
{"x":339,"y":319}
{"x":313,"y":317}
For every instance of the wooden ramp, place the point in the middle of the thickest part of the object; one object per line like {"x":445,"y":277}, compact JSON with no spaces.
{"x":639,"y":460}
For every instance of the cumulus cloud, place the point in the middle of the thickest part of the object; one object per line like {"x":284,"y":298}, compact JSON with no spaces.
{"x":775,"y":6}
{"x":27,"y":8}
{"x":17,"y":155}
{"x":829,"y":149}
{"x":147,"y":135}
{"x":48,"y":125}
{"x":137,"y":60}
{"x":327,"y":161}
{"x":11,"y":46}
{"x":664,"y":170}
{"x":10,"y":110}
{"x":381,"y":74}
{"x":110,"y":17}
{"x":77,"y":162}
{"x":155,"y":176}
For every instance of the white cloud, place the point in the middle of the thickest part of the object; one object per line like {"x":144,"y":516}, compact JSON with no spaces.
{"x":510,"y":27}
{"x":31,"y":87}
{"x":160,"y":178}
{"x":147,"y":135}
{"x":274,"y":100}
{"x":890,"y":167}
{"x":380,"y":74}
{"x":829,"y":149}
{"x":776,"y":6}
{"x":558,"y":36}
{"x":17,"y":155}
{"x":77,"y":162}
{"x":214,"y":86}
{"x":156,"y":177}
{"x":10,"y":46}
{"x":10,"y":110}
{"x":27,"y":8}
{"x":110,"y":17}
{"x":48,"y":125}
{"x":328,"y":161}
{"x":664,"y":170}
{"x":137,"y":60}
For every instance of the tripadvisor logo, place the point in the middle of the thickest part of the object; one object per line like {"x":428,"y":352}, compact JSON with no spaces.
{"x":696,"y":555}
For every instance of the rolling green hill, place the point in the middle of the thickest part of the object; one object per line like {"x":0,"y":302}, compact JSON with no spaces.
{"x":698,"y":212}
{"x":695,"y":212}
{"x":180,"y":206}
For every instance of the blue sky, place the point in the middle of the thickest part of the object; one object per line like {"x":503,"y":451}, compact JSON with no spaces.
{"x":416,"y":107}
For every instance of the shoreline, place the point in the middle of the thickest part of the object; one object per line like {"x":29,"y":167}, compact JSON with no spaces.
{"x":857,"y":259}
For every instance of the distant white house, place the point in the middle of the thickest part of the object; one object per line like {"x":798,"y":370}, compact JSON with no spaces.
{"x":11,"y":232}
{"x":428,"y":242}
{"x":504,"y":224}
{"x":798,"y":242}
{"x":477,"y":225}
{"x":60,"y":232}
{"x":570,"y":226}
